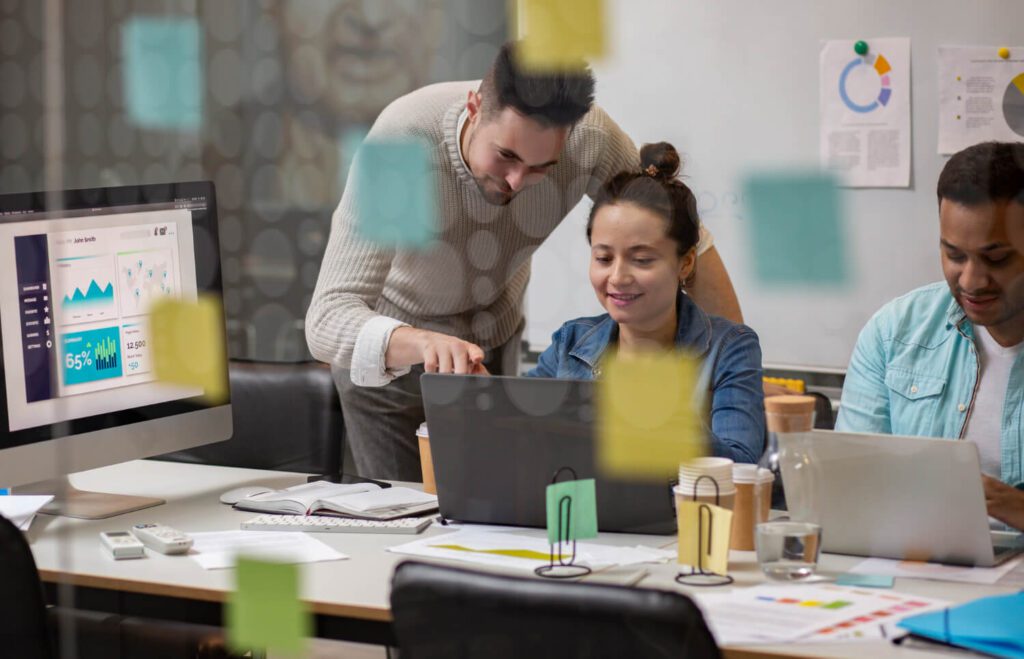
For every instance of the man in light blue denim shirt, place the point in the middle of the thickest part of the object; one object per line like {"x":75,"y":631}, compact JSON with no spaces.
{"x":947,"y":360}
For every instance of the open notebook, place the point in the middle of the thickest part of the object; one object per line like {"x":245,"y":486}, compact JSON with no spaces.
{"x":360,"y":500}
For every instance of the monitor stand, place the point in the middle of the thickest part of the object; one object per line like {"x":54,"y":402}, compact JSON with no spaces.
{"x":69,"y":501}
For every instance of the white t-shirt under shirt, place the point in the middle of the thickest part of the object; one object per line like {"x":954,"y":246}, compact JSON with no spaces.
{"x":984,"y":426}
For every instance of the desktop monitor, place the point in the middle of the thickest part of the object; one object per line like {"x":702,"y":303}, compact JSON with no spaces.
{"x":79,"y":272}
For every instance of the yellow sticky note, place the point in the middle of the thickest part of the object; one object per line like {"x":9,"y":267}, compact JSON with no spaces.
{"x":705,"y":531}
{"x":558,"y":35}
{"x":187,"y":345}
{"x":647,"y":422}
{"x":265,"y":610}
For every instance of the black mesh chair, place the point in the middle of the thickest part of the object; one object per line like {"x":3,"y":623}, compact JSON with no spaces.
{"x":286,"y":417}
{"x":31,"y":630}
{"x":459,"y":614}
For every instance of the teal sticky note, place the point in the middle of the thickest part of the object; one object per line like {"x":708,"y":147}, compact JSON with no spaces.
{"x":265,"y":610}
{"x":796,"y":232}
{"x":162,"y":77}
{"x":396,"y":193}
{"x":865,"y":580}
{"x":577,"y":501}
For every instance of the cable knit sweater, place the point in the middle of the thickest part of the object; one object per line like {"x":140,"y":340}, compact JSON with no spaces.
{"x":470,"y":282}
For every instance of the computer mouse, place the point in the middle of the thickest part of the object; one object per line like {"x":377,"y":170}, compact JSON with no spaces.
{"x":231,"y":497}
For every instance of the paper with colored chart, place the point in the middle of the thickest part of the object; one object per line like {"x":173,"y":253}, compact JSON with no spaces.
{"x":865,"y":111}
{"x":704,"y":534}
{"x":188,"y":345}
{"x":786,"y":613}
{"x":523,"y":552}
{"x":264,"y":611}
{"x":981,"y":95}
{"x":559,"y":36}
{"x":571,"y":510}
{"x":648,"y":415}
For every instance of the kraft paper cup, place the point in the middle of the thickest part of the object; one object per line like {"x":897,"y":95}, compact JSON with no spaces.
{"x":789,"y":413}
{"x":426,"y":460}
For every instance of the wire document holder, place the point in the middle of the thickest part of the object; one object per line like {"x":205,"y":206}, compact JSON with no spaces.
{"x":563,"y":569}
{"x":698,"y":576}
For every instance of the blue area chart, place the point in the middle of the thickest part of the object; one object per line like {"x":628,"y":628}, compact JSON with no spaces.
{"x":92,"y":296}
{"x":882,"y":68}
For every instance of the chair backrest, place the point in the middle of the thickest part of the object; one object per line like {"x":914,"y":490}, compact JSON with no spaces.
{"x":453,"y":613}
{"x":286,"y":417}
{"x":23,"y":630}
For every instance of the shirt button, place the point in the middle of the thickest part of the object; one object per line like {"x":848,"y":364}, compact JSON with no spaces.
{"x":913,"y":389}
{"x":961,"y":407}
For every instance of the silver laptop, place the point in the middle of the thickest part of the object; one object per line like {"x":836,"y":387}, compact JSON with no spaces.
{"x":910,"y":498}
{"x":497,"y":441}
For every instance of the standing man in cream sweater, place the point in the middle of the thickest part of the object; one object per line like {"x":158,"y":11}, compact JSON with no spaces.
{"x":512,"y":155}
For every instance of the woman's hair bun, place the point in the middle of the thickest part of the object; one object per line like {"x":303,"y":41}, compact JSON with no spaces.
{"x":660,"y":160}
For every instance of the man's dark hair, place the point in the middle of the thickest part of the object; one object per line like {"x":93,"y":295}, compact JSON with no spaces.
{"x":551,"y":99}
{"x":984,"y":173}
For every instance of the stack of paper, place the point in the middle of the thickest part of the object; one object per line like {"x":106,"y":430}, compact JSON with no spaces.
{"x":21,"y":509}
{"x":219,"y":549}
{"x":935,"y":571}
{"x":520,"y":552}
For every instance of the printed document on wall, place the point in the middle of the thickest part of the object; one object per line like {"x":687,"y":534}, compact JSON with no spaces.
{"x":865,"y":112}
{"x":981,"y":96}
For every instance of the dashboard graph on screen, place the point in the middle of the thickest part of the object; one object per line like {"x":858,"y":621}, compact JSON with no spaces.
{"x":85,"y":285}
{"x":144,"y":277}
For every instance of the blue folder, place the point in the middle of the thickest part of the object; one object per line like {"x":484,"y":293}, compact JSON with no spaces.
{"x":994,"y":625}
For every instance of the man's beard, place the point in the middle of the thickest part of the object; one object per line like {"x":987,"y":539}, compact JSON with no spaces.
{"x":497,"y":198}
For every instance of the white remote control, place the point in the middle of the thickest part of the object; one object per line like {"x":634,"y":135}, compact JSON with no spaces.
{"x":122,"y":544}
{"x":162,"y":538}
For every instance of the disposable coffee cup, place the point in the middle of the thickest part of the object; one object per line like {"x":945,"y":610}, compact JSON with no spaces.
{"x":752,"y":504}
{"x":723,"y":499}
{"x":426,"y":460}
{"x":789,"y":413}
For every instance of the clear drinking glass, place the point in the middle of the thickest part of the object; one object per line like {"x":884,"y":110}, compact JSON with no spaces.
{"x":788,"y":550}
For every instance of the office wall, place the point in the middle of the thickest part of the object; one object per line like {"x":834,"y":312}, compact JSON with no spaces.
{"x":734,"y":85}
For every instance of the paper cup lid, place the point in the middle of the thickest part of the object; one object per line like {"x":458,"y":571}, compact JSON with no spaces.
{"x":744,"y":473}
{"x":789,"y":404}
{"x":422,"y":430}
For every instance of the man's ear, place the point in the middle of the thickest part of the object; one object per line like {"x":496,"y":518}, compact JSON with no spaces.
{"x":474,"y":105}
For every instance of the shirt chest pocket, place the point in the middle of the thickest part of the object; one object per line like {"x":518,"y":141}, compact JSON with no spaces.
{"x":914,"y":400}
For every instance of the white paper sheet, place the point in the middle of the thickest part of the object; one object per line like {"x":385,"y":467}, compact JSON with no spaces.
{"x":935,"y":571}
{"x":218,"y":549}
{"x":865,"y":112}
{"x":21,"y":509}
{"x":519,"y":552}
{"x":791,"y":612}
{"x":981,"y":96}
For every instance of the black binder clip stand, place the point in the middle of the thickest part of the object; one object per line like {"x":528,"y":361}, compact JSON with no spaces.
{"x":563,"y":569}
{"x":698,"y":576}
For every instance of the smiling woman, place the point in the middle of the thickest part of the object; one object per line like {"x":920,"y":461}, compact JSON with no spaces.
{"x":643,"y":230}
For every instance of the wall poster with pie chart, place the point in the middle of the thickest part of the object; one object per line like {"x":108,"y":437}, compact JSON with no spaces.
{"x":865,"y":112}
{"x":981,"y":96}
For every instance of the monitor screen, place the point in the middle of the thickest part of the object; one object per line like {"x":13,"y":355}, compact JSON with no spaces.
{"x":77,"y":281}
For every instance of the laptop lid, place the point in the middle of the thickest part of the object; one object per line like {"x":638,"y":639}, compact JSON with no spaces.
{"x":496,"y":442}
{"x":912,"y":498}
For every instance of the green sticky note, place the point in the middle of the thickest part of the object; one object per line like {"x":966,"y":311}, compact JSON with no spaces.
{"x":396,"y":193}
{"x":187,"y":345}
{"x":796,"y":229}
{"x":265,"y":610}
{"x":865,"y":580}
{"x":162,"y":78}
{"x":578,"y":520}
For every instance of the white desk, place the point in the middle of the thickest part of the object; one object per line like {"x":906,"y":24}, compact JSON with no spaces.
{"x":349,"y":597}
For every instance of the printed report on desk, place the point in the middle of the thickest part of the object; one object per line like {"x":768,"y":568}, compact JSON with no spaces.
{"x":75,"y":306}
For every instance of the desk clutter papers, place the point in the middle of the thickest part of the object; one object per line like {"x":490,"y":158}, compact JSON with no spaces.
{"x":992,"y":625}
{"x":524,"y":553}
{"x":935,"y":571}
{"x":217,"y":550}
{"x":21,"y":509}
{"x":807,"y":613}
{"x":359,"y":500}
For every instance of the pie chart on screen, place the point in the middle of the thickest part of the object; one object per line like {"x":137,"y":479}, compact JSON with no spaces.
{"x":1013,"y":105}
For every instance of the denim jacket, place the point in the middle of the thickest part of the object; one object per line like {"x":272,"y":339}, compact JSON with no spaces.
{"x":730,"y":370}
{"x":914,"y":371}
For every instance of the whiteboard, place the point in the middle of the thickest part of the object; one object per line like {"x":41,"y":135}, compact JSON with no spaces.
{"x":733,"y":84}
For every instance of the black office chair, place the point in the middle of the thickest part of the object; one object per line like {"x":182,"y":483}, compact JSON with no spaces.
{"x":286,"y":417}
{"x":31,"y":630}
{"x":460,"y":614}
